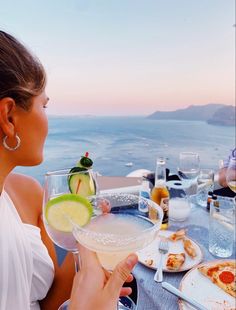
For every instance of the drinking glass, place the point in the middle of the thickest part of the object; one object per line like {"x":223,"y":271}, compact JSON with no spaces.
{"x":179,"y":203}
{"x":222,"y":227}
{"x":205,"y":183}
{"x":125,"y":229}
{"x":231,"y":174}
{"x":57,"y":184}
{"x":189,"y":167}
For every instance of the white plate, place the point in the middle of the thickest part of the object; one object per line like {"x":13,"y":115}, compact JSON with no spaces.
{"x":151,"y":253}
{"x":199,"y":287}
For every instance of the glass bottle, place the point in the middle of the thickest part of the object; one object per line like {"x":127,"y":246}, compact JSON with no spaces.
{"x":144,"y":194}
{"x":160,"y":193}
{"x":209,"y":198}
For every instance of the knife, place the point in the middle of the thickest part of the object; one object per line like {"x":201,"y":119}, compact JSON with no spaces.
{"x":170,"y":288}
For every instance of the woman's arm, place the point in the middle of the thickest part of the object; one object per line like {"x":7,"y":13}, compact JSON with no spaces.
{"x":222,"y":177}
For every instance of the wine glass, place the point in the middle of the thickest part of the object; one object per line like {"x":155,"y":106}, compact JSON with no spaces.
{"x":125,"y":229}
{"x":231,"y":174}
{"x":61,"y":187}
{"x":189,"y":167}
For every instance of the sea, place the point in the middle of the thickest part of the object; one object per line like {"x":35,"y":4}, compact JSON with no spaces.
{"x":114,"y":142}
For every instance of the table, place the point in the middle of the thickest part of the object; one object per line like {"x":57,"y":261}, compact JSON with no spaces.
{"x":151,"y":295}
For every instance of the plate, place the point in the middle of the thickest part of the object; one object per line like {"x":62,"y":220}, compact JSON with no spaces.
{"x":199,"y":287}
{"x":151,"y":254}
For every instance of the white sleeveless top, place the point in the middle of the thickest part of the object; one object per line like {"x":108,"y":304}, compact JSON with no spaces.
{"x":26,"y":269}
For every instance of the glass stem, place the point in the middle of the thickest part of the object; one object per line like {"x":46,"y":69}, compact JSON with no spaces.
{"x":76,"y":261}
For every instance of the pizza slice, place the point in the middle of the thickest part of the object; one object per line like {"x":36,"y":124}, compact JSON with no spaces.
{"x":189,"y":248}
{"x":175,"y":261}
{"x":222,"y":274}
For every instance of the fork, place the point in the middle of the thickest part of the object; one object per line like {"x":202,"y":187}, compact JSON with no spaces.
{"x":163,"y":249}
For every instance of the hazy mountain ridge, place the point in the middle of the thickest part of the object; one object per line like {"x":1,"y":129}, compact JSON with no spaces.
{"x":224,"y":116}
{"x":212,"y":113}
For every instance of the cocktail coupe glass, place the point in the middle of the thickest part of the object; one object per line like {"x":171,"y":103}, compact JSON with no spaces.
{"x":57,"y":184}
{"x":231,"y":174}
{"x":189,"y":168}
{"x":113,"y":236}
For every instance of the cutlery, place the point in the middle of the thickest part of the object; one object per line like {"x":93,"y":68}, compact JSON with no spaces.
{"x":163,"y":249}
{"x":170,"y":288}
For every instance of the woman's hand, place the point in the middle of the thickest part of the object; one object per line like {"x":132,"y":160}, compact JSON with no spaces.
{"x":96,"y":288}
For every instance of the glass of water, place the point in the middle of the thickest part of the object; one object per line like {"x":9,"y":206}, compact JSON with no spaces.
{"x":222,"y":227}
{"x":205,"y":182}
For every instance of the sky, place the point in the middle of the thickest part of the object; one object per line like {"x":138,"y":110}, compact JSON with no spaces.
{"x":128,"y":57}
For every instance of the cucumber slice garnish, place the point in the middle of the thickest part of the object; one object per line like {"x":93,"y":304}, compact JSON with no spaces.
{"x":61,"y":212}
{"x":82,"y":184}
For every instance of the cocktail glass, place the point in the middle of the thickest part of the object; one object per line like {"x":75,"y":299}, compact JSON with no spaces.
{"x":113,"y":236}
{"x":57,"y":185}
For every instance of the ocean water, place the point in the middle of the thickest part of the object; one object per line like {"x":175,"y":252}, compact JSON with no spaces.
{"x":114,"y":141}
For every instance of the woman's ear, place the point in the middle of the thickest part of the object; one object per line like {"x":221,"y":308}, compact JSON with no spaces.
{"x":7,"y":107}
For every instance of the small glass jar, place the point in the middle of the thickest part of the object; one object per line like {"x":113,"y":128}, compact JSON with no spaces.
{"x":179,"y":203}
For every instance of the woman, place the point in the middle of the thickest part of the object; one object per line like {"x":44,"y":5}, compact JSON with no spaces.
{"x":30,"y":277}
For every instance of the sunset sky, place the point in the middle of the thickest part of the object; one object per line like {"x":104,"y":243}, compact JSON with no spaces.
{"x":128,"y":57}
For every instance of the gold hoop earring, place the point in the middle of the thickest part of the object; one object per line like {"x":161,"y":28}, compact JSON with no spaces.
{"x":9,"y":148}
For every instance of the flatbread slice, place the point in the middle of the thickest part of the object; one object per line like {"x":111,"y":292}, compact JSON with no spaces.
{"x":175,"y":261}
{"x":178,"y":235}
{"x":223,"y":275}
{"x":189,"y":248}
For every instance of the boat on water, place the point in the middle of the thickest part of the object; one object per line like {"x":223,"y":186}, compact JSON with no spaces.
{"x":130,"y":164}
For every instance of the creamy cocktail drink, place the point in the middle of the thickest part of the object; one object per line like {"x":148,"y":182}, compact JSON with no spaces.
{"x":124,"y":230}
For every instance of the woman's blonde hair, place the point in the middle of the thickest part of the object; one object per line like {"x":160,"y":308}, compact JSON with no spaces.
{"x":22,"y":76}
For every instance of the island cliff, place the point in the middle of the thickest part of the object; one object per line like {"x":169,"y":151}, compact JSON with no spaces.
{"x":212,"y":113}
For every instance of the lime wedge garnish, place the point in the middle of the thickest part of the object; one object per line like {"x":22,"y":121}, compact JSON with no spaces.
{"x":61,"y":212}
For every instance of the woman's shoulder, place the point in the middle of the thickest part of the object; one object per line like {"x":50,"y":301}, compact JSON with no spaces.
{"x":27,"y":195}
{"x":22,"y":182}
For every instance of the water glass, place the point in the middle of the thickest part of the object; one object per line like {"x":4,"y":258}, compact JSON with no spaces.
{"x":205,"y":183}
{"x":222,"y":227}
